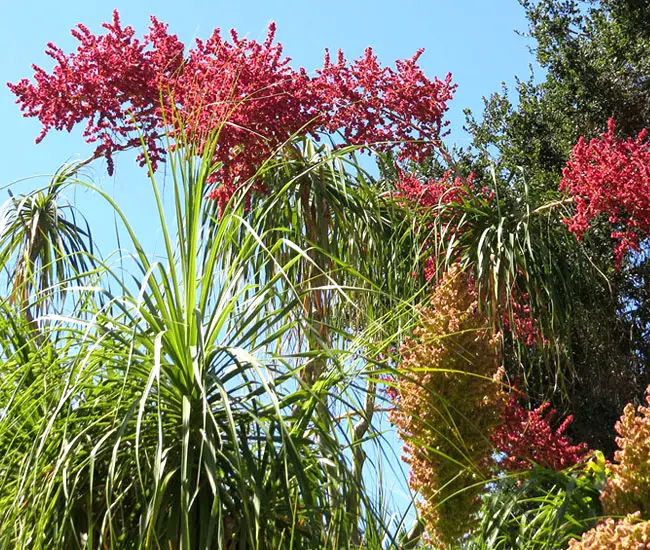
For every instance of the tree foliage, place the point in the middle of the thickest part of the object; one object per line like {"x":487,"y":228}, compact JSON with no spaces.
{"x":594,"y":60}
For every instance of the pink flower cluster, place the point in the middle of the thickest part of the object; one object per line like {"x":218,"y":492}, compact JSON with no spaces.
{"x":433,"y":193}
{"x":121,"y":85}
{"x":113,"y":82}
{"x":611,"y":176}
{"x":521,"y":322}
{"x":628,"y":489}
{"x":448,"y":397}
{"x":628,"y":533}
{"x":377,"y":105}
{"x":527,"y":437}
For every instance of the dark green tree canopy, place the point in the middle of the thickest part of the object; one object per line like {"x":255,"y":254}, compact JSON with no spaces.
{"x":595,"y":62}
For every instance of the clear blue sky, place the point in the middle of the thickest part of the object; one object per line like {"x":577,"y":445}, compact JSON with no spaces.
{"x":473,"y":39}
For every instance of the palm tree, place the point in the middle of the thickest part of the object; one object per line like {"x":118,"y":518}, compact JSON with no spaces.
{"x":206,"y":405}
{"x":43,"y":246}
{"x":357,"y":273}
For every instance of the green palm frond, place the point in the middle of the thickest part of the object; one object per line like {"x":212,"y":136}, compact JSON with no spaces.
{"x":526,"y":264}
{"x":43,"y":246}
{"x":174,"y":413}
{"x":541,"y":510}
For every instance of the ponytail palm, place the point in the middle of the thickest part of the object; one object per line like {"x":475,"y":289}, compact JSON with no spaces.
{"x":174,"y":412}
{"x":356,"y":235}
{"x":357,"y":273}
{"x":43,"y":246}
{"x":530,"y":271}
